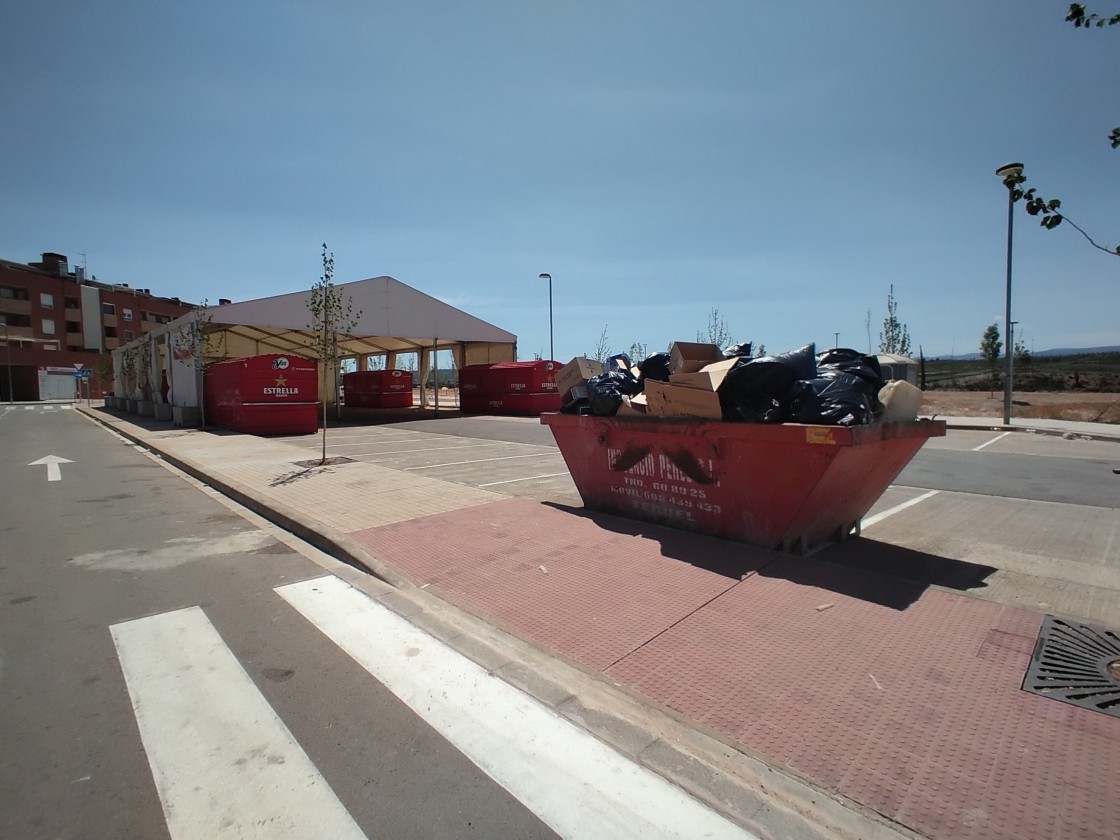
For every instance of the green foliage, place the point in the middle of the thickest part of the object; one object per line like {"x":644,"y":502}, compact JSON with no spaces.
{"x":637,"y":351}
{"x":718,"y":332}
{"x":1078,"y":17}
{"x":603,"y":348}
{"x":894,"y":338}
{"x":331,"y":314}
{"x":991,"y":344}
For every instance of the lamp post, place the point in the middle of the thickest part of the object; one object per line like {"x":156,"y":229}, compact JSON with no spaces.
{"x":551,"y":351}
{"x":8,"y":348}
{"x":1005,"y":172}
{"x":836,"y":342}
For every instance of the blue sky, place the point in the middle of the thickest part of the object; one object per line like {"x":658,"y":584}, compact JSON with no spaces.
{"x":784,"y":163}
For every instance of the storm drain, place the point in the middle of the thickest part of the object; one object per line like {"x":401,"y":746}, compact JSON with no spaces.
{"x":1076,"y":663}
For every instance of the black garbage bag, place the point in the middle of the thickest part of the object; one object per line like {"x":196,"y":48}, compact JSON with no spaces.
{"x":853,"y":362}
{"x":758,"y":390}
{"x":606,"y":390}
{"x":655,"y":367}
{"x":834,"y":398}
{"x":620,"y":362}
{"x":738,"y":350}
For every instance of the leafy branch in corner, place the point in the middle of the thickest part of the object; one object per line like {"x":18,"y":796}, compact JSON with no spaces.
{"x":1080,"y":19}
{"x":1036,"y":205}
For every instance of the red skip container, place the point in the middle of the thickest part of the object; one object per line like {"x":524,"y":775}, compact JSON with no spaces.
{"x":777,"y":486}
{"x":263,"y":395}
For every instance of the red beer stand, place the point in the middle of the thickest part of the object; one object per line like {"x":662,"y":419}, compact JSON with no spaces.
{"x":263,"y":395}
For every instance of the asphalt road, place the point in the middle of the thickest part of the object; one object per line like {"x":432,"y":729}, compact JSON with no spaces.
{"x":117,"y":537}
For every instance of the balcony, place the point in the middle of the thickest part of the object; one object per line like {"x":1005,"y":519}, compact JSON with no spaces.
{"x":15,"y":307}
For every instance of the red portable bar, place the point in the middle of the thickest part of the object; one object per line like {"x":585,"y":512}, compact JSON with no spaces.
{"x":776,"y":486}
{"x":529,"y":404}
{"x":471,"y":379}
{"x":377,"y":389}
{"x":537,"y":377}
{"x":509,"y":388}
{"x":263,"y":395}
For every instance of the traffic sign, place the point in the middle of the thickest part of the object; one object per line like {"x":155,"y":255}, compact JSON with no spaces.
{"x":84,"y":373}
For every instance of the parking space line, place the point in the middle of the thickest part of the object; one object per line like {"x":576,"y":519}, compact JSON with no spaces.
{"x":528,"y":478}
{"x":481,"y":461}
{"x":883,"y":514}
{"x":990,"y":442}
{"x":426,"y":449}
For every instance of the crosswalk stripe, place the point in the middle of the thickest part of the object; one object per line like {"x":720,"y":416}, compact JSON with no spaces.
{"x":572,"y":781}
{"x":224,"y":763}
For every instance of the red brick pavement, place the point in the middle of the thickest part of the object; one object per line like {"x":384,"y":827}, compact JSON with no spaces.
{"x":903,"y":698}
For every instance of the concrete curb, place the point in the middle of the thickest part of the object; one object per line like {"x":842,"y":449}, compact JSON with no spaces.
{"x":769,"y":802}
{"x":1034,"y":430}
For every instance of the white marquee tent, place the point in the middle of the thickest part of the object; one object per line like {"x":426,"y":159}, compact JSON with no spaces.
{"x":390,"y":317}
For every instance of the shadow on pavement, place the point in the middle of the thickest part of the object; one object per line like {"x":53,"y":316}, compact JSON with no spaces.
{"x":871,"y":571}
{"x":713,"y":554}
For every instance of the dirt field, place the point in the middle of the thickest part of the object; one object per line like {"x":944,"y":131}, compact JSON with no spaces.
{"x":1049,"y":405}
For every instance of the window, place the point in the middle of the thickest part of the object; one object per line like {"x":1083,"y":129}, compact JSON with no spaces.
{"x":46,"y":300}
{"x":129,"y":335}
{"x":13,"y":320}
{"x":108,"y":309}
{"x":127,"y":314}
{"x":9,"y":293}
{"x":72,"y":303}
{"x":48,"y":326}
{"x":110,"y":332}
{"x":73,"y":326}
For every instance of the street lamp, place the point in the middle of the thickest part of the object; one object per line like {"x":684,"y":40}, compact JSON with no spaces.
{"x":1006,"y":172}
{"x":551,"y":351}
{"x":8,"y":347}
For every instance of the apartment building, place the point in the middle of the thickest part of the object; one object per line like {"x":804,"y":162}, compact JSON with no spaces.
{"x":58,"y":328}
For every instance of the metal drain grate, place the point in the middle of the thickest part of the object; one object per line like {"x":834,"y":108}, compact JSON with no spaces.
{"x":1076,"y":663}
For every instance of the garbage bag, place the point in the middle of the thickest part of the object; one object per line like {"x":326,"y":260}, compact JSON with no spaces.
{"x":605,"y":391}
{"x":738,"y":350}
{"x":758,"y":390}
{"x":834,"y":398}
{"x":619,"y":362}
{"x":655,"y":367}
{"x":853,"y":362}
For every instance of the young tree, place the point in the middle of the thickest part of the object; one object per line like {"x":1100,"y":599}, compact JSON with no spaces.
{"x":603,"y":348}
{"x":990,"y":347}
{"x":637,"y":352}
{"x":718,"y":333}
{"x":894,"y":338}
{"x":331,"y":314}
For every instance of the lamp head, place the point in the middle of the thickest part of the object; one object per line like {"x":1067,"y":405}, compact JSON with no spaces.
{"x":1009,"y":170}
{"x":544,"y":277}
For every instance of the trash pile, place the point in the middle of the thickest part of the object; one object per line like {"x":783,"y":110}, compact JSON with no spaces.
{"x":839,"y":387}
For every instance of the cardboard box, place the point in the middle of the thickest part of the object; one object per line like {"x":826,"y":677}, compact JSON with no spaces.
{"x":685,"y":357}
{"x":576,"y":372}
{"x":666,"y":399}
{"x":633,"y":406}
{"x":708,"y":378}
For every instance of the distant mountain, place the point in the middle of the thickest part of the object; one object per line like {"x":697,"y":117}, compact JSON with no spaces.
{"x":1059,"y":351}
{"x":1066,"y":351}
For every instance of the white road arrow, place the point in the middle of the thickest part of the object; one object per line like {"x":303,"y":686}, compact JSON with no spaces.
{"x":54,"y":473}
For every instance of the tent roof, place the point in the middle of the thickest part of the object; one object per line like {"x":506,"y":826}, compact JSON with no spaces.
{"x":390,"y":315}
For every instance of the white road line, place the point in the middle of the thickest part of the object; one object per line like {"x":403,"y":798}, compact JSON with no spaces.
{"x":990,"y":442}
{"x":883,"y":514}
{"x":224,"y":763}
{"x":425,"y":449}
{"x":575,"y":783}
{"x":527,"y":478}
{"x":481,"y":461}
